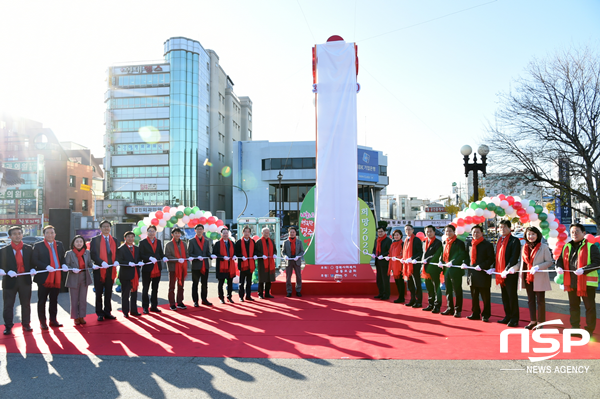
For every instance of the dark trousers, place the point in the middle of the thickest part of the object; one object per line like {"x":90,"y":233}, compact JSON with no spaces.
{"x":128,"y":298}
{"x":10,"y":295}
{"x":172,"y":282}
{"x":148,"y":281}
{"x":453,"y":278}
{"x":590,"y":308}
{"x":229,"y":287}
{"x":540,"y":298}
{"x":103,"y":289}
{"x":414,"y":286}
{"x":264,"y":288}
{"x":202,"y":280}
{"x":401,"y":288}
{"x":43,"y":294}
{"x":245,"y":286}
{"x":510,"y":298}
{"x":434,"y":290}
{"x":294,"y":267}
{"x":383,"y":280}
{"x":486,"y":298}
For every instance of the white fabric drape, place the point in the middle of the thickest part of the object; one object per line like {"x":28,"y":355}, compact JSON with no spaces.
{"x":336,"y":204}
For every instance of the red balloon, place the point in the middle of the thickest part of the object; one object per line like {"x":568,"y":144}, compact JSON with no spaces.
{"x":521,"y":213}
{"x":556,"y":257}
{"x":517,"y":205}
{"x":167,"y":209}
{"x":469,"y":219}
{"x":159,"y":214}
{"x":154,"y":222}
{"x":454,"y":224}
{"x":256,"y":238}
{"x":561,"y":244}
{"x":590,"y":238}
{"x":502,"y":197}
{"x":202,"y":220}
{"x":525,"y":218}
{"x":563,"y":236}
{"x":192,"y":223}
{"x":87,"y":244}
{"x":561,"y":228}
{"x":211,"y":220}
{"x":510,"y":200}
{"x":220,"y":223}
{"x":460,"y":222}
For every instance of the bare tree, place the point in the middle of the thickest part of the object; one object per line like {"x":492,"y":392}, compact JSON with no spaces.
{"x":552,"y":114}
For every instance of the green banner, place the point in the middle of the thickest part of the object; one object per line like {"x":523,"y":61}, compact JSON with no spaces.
{"x":18,"y":194}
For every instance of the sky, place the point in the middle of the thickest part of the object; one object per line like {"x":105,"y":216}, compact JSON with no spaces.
{"x":430,"y":71}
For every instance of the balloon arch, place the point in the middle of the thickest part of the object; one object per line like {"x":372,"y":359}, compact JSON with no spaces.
{"x":527,"y":211}
{"x":180,"y":216}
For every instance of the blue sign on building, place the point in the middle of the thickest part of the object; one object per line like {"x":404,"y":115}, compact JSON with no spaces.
{"x":368,"y":165}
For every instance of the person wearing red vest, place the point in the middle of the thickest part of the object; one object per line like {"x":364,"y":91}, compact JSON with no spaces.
{"x":103,"y":249}
{"x":151,"y":253}
{"x":266,"y":253}
{"x":48,"y":255}
{"x":225,"y":255}
{"x":15,"y":258}
{"x":581,"y":278}
{"x":176,"y":253}
{"x":245,"y":251}
{"x":292,"y":251}
{"x":200,"y":246}
{"x":128,"y":256}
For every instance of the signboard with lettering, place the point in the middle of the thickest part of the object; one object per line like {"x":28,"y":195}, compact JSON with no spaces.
{"x":133,"y":69}
{"x":435,"y":209}
{"x":564,"y":212}
{"x":85,"y":187}
{"x":151,"y":186}
{"x":22,"y":166}
{"x":18,"y":194}
{"x":141,"y":210}
{"x":368,"y":165}
{"x":20,"y":221}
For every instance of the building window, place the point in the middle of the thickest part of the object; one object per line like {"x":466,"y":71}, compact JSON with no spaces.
{"x":135,"y":125}
{"x":220,"y":177}
{"x":221,"y":157}
{"x":382,"y":170}
{"x":71,"y":181}
{"x":207,"y":131}
{"x":249,"y":117}
{"x":71,"y":204}
{"x":84,"y":205}
{"x":288,"y":163}
{"x":249,"y":133}
{"x":133,"y":149}
{"x":141,"y":171}
{"x":221,"y":198}
{"x":85,"y":181}
{"x":140,"y":102}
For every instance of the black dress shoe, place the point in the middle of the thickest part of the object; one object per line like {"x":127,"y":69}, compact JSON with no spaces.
{"x":260,"y":296}
{"x":206,"y":303}
{"x":110,"y":317}
{"x":513,"y":324}
{"x":486,"y":319}
{"x":173,"y":307}
{"x":435,"y":310}
{"x":145,"y":311}
{"x":27,"y":329}
{"x":43,"y":326}
{"x":411,"y":303}
{"x":269,"y":296}
{"x":181,"y":306}
{"x":248,"y":298}
{"x":428,"y":308}
{"x":155,"y":310}
{"x":288,"y":295}
{"x":222,"y":301}
{"x":230,"y":299}
{"x":241,"y":299}
{"x":377,"y":297}
{"x":7,"y":331}
{"x":196,"y":304}
{"x":457,"y":314}
{"x":298,"y":294}
{"x":136,"y":314}
{"x":399,"y":300}
{"x":531,"y":325}
{"x":100,"y":318}
{"x":125,"y":315}
{"x":55,"y":324}
{"x":448,"y":312}
{"x":504,"y":321}
{"x":417,"y":305}
{"x":473,"y":317}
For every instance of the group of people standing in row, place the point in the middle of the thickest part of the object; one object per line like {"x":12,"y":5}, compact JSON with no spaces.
{"x":515,"y":268}
{"x":47,"y":260}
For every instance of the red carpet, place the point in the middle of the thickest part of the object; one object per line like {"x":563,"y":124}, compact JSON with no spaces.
{"x":308,"y":327}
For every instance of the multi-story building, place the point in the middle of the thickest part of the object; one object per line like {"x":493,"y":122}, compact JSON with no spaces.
{"x":170,"y":127}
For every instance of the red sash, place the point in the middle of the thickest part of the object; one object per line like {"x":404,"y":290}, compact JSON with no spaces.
{"x":104,"y":256}
{"x":180,"y":268}
{"x":227,"y":265}
{"x":54,"y":278}
{"x":155,"y":270}
{"x":447,"y":248}
{"x":395,"y":266}
{"x":136,"y":280}
{"x":293,"y":246}
{"x":378,"y":247}
{"x":407,"y":268}
{"x":501,"y":258}
{"x":424,"y":274}
{"x":528,"y":257}
{"x":248,"y":264}
{"x":201,"y":245}
{"x":79,"y":253}
{"x":19,"y":256}
{"x":474,"y":250}
{"x":269,"y":262}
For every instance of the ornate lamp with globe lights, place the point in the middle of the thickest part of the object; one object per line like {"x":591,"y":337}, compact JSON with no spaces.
{"x":483,"y":150}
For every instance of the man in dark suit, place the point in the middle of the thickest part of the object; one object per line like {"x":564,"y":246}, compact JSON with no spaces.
{"x":224,"y":253}
{"x":431,"y":273}
{"x":151,"y":250}
{"x":381,"y":249}
{"x":48,"y":255}
{"x":200,"y":246}
{"x":244,"y":250}
{"x":129,"y":254}
{"x":508,"y":251}
{"x":16,"y":259}
{"x":413,"y":249}
{"x":266,"y":253}
{"x":481,"y":255}
{"x":103,"y":249}
{"x":456,"y":254}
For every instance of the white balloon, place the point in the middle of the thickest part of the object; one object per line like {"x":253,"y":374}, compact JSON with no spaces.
{"x":144,"y":229}
{"x":198,"y":215}
{"x":533,"y":217}
{"x":185,"y":219}
{"x":212,"y":228}
{"x":205,"y":227}
{"x":479,"y":212}
{"x":545,"y":210}
{"x":147,"y":221}
{"x":552,"y":241}
{"x":181,"y":208}
{"x":180,"y":223}
{"x":468,"y":228}
{"x":509,"y":210}
{"x":517,"y":198}
{"x":236,"y":280}
{"x":461,"y":215}
{"x":470,"y":212}
{"x":454,"y":220}
{"x":143,"y":236}
{"x":550,"y":218}
{"x":487,"y":200}
{"x":162,"y":223}
{"x":553,"y":225}
{"x":152,"y":215}
{"x":492,"y":214}
{"x":530,"y":210}
{"x":220,"y":228}
{"x":504,"y":204}
{"x":553,"y":233}
{"x":460,"y":230}
{"x":207,"y":214}
{"x":487,"y":214}
{"x":536,"y":223}
{"x":160,"y":228}
{"x":166,"y":216}
{"x":496,"y":201}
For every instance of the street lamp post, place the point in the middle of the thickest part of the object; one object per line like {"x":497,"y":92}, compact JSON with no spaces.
{"x":483,"y":150}
{"x":279,"y":177}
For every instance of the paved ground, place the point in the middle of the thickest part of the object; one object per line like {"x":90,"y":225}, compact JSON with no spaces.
{"x":158,"y":377}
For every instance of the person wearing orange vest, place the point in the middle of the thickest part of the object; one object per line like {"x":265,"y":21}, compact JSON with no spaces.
{"x":581,"y":278}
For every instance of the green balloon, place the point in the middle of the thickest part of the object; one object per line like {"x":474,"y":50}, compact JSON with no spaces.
{"x":136,"y":240}
{"x":559,"y":279}
{"x":170,"y":224}
{"x":543,"y":216}
{"x":141,"y":223}
{"x":214,"y":236}
{"x":137,"y":231}
{"x":531,"y":203}
{"x":544,"y":225}
{"x":173,"y":219}
{"x":187,"y":211}
{"x":491,"y":207}
{"x":500,"y":212}
{"x":482,"y":205}
{"x":179,"y":214}
{"x":195,"y":209}
{"x":545,"y":230}
{"x":538,"y":209}
{"x":473,"y":205}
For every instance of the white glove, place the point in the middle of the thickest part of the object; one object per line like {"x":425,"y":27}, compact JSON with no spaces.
{"x":49,"y":268}
{"x":255,"y":257}
{"x":296,"y":258}
{"x":534,"y":269}
{"x":213,"y":256}
{"x":441,"y":265}
{"x":373,"y":256}
{"x":235,"y":258}
{"x":12,"y":273}
{"x":504,"y":274}
{"x":33,"y":272}
{"x":511,"y":270}
{"x":463,"y":266}
{"x":153,"y":260}
{"x":131,"y":264}
{"x":424,"y":262}
{"x":244,"y":258}
{"x":414,"y":262}
{"x":274,"y":256}
{"x":380,"y":257}
{"x":96,"y":267}
{"x":65,"y":268}
{"x":264,"y":256}
{"x":478,"y":268}
{"x":104,"y":265}
{"x":75,"y":271}
{"x":191,"y":258}
{"x":559,"y":270}
{"x":226,"y":257}
{"x":116,"y":264}
{"x":579,"y":271}
{"x":3,"y":273}
{"x":140,"y":263}
{"x":181,"y":260}
{"x":285,"y":258}
{"x":165,"y":259}
{"x":490,"y":271}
